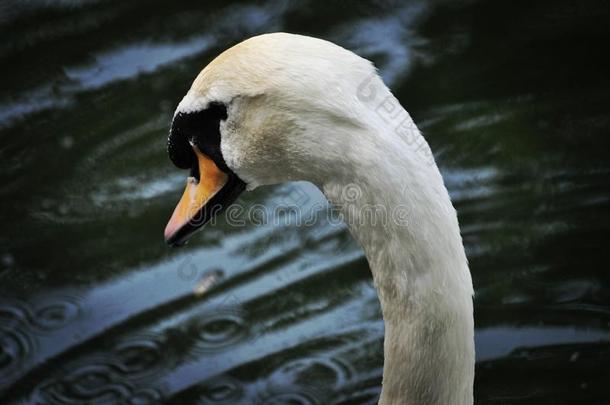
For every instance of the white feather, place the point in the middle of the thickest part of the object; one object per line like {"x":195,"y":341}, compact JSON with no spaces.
{"x":301,"y":108}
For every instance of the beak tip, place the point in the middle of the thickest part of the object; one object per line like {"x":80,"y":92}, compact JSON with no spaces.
{"x":171,"y":242}
{"x":168,"y":233}
{"x":168,"y":236}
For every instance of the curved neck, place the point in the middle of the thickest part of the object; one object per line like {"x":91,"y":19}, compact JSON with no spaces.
{"x":398,"y":209}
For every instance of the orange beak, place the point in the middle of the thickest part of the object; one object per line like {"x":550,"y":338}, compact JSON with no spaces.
{"x":197,"y":203}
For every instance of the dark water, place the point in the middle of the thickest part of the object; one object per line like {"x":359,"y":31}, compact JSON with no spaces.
{"x":513,"y":97}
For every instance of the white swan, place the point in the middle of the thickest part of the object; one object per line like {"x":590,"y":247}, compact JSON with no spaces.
{"x":281,"y":107}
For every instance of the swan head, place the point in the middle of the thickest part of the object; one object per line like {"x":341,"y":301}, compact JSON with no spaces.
{"x":274,"y":108}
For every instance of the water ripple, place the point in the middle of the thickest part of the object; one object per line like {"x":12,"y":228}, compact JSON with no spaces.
{"x":220,"y":390}
{"x":121,"y":375}
{"x":15,"y":346}
{"x":290,"y":397}
{"x":23,"y":324}
{"x":221,"y":329}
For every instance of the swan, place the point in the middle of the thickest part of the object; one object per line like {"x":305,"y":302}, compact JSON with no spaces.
{"x":282,"y":107}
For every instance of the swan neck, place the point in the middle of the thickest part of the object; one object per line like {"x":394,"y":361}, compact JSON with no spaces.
{"x":399,"y":210}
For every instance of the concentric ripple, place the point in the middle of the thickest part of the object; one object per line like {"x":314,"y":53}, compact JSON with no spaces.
{"x":139,"y":357}
{"x":55,"y":314}
{"x":98,"y":383}
{"x":290,"y":398}
{"x":220,"y":330}
{"x":21,"y":324}
{"x":322,"y":372}
{"x":223,"y":390}
{"x":16,"y":345}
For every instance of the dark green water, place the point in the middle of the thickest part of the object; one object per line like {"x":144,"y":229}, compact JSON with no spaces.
{"x":513,"y":97}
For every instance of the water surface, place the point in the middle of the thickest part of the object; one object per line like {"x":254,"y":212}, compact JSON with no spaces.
{"x":94,"y":308}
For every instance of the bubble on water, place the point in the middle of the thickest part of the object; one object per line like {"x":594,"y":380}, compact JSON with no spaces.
{"x":67,"y":142}
{"x":207,"y":282}
{"x":63,"y":209}
{"x":8,"y":260}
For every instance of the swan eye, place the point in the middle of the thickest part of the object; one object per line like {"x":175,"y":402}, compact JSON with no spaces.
{"x":201,"y":128}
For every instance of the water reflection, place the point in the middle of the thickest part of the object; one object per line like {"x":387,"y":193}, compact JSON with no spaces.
{"x":95,"y":309}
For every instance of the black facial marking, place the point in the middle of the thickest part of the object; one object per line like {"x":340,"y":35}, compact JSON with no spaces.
{"x":203,"y":129}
